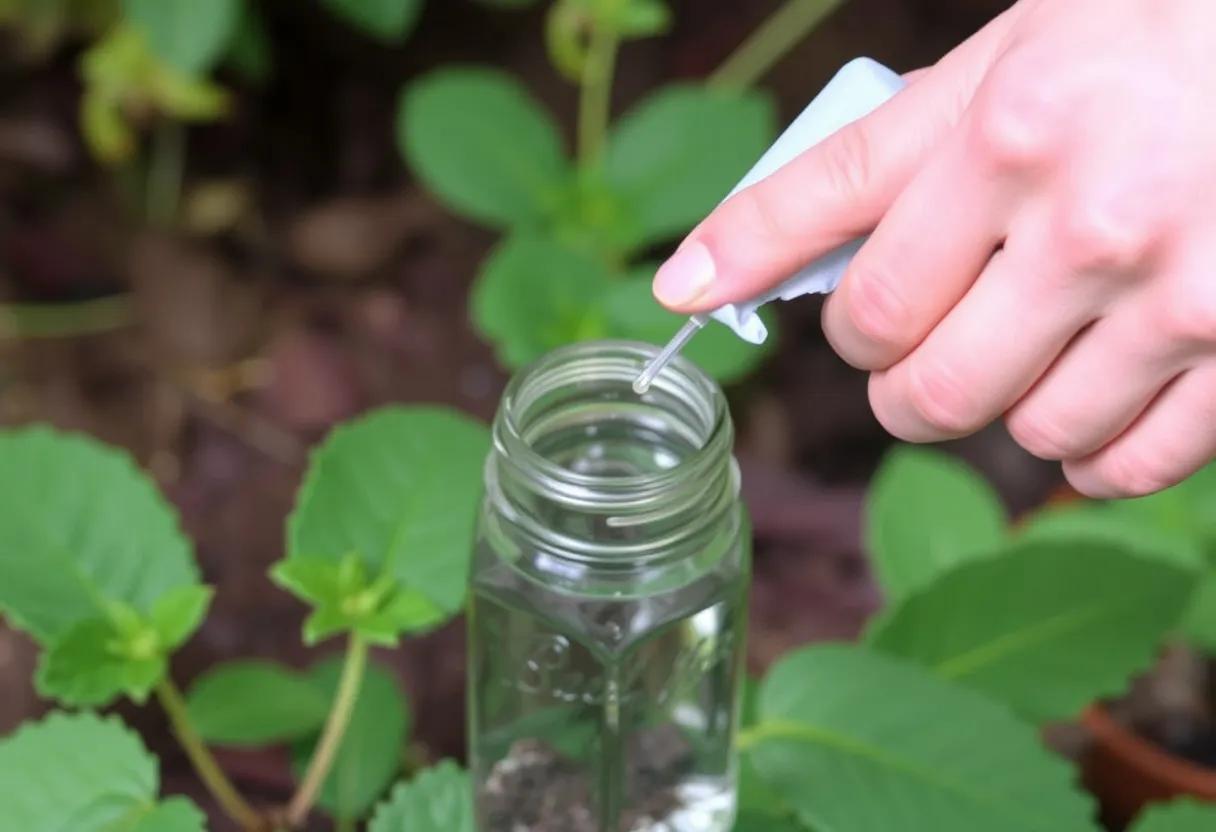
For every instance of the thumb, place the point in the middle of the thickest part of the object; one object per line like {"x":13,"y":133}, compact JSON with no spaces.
{"x":832,"y":193}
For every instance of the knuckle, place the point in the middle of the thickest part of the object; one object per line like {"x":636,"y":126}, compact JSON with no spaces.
{"x":1042,"y":434}
{"x":939,"y":399}
{"x":763,"y":209}
{"x":848,"y":160}
{"x":1187,"y":314}
{"x":1016,"y":123}
{"x":1091,"y":236}
{"x":875,"y":309}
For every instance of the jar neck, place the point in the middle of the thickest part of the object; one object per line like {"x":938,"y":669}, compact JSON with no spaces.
{"x":591,"y":472}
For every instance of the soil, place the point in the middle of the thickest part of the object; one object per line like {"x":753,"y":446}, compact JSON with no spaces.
{"x":1174,"y":706}
{"x":537,"y":789}
{"x":334,"y":284}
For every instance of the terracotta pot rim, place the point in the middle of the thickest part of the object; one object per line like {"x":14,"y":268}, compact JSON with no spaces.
{"x":1152,"y":761}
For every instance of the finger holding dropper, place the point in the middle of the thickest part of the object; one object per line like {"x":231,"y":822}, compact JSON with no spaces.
{"x":859,"y":88}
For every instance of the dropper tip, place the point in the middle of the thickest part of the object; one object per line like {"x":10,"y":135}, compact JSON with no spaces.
{"x":651,"y":371}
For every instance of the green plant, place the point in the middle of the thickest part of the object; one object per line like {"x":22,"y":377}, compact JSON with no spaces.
{"x":579,"y":232}
{"x":1176,"y":526}
{"x":153,"y":69}
{"x":931,"y":721}
{"x":94,"y":568}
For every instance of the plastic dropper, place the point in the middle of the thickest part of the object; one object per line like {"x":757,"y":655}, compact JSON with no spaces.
{"x":856,"y":90}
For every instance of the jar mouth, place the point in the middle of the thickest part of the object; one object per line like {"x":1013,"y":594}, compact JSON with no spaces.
{"x":684,"y":410}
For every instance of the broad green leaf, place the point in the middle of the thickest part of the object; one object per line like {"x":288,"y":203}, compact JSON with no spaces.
{"x":758,"y":803}
{"x":386,"y":20}
{"x":534,"y":294}
{"x":1178,"y":816}
{"x":249,"y":50}
{"x":753,"y":821}
{"x":374,"y":745}
{"x":477,"y":139}
{"x":399,"y":488}
{"x":677,"y":154}
{"x":1188,"y":509}
{"x":93,"y":663}
{"x":1199,"y":623}
{"x":82,"y":530}
{"x":1107,"y":523}
{"x":177,"y":814}
{"x":83,"y":772}
{"x":439,"y":799}
{"x":633,"y":313}
{"x":1047,"y":626}
{"x":189,"y":35}
{"x":251,"y":703}
{"x":857,"y":741}
{"x":925,"y":513}
{"x":1168,"y":526}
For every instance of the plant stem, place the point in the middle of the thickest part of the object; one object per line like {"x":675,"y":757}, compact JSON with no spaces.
{"x":595,"y":99}
{"x":164,"y":187}
{"x":58,"y":320}
{"x":208,"y":769}
{"x":768,"y":44}
{"x":335,"y":728}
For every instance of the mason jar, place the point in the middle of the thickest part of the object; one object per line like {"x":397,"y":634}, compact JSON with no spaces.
{"x":608,"y":601}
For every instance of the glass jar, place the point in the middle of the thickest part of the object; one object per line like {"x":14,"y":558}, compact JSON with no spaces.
{"x":608,"y":601}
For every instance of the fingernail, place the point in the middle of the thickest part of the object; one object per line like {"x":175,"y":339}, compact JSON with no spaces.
{"x":685,"y":275}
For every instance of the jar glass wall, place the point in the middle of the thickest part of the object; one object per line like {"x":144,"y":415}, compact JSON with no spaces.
{"x":608,"y":601}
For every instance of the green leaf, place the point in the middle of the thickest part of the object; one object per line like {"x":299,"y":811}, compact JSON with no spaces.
{"x":1178,"y":816}
{"x":478,"y":140}
{"x":439,"y":799}
{"x":1167,"y":526}
{"x":1199,"y":623}
{"x":677,"y":154}
{"x":386,"y":20}
{"x":753,"y":821}
{"x":534,"y":294}
{"x":1047,"y":627}
{"x":251,"y":703}
{"x":643,"y":18}
{"x":634,"y":314}
{"x":373,"y":747}
{"x":390,"y":500}
{"x":177,"y":814}
{"x":178,"y":614}
{"x":1106,"y":522}
{"x":925,"y":513}
{"x":1186,"y":510}
{"x":84,"y":772}
{"x":92,"y":664}
{"x":853,"y":740}
{"x":81,"y":529}
{"x":187,"y":34}
{"x":346,"y":600}
{"x":250,"y":52}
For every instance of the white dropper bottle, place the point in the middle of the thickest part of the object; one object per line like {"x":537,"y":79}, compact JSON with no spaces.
{"x":856,"y":90}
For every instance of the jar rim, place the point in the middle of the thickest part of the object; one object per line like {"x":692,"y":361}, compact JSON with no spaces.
{"x":614,"y":361}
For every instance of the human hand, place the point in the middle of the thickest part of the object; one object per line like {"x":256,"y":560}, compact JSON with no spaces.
{"x":1043,"y":208}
